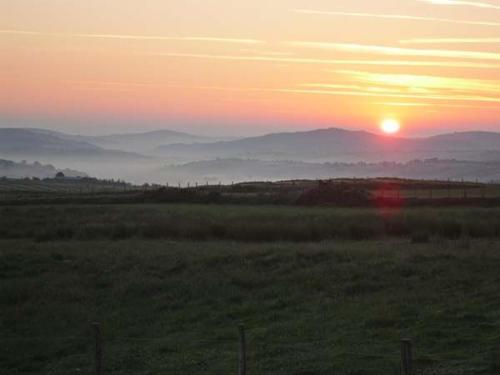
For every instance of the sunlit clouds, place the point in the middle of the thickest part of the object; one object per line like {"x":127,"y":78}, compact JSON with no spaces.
{"x":476,"y":4}
{"x":397,"y":51}
{"x":298,"y":60}
{"x":451,"y":41}
{"x":389,"y":16}
{"x":210,"y":39}
{"x":429,"y":63}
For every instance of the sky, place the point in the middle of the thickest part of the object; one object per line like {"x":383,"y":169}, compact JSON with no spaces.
{"x":234,"y":67}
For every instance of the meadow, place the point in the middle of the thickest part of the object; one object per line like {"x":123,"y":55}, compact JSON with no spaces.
{"x":243,"y":223}
{"x":173,"y":307}
{"x":319,"y":290}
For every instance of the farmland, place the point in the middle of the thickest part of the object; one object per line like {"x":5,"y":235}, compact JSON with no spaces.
{"x":173,"y":307}
{"x":319,"y":289}
{"x":336,"y":192}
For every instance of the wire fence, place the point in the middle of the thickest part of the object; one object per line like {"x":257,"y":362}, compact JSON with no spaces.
{"x":242,"y":354}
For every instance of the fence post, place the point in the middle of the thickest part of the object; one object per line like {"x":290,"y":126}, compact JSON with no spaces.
{"x":98,"y":348}
{"x":406,"y":357}
{"x":242,"y":368}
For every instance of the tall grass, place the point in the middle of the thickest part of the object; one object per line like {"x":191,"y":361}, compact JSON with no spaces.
{"x":243,"y":223}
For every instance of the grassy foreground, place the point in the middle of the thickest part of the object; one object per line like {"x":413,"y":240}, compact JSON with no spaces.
{"x":243,"y":223}
{"x":172,"y":307}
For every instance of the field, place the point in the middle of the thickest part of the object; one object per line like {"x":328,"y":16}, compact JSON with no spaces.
{"x":61,"y":185}
{"x":243,"y":223}
{"x":319,"y":290}
{"x":337,"y":192}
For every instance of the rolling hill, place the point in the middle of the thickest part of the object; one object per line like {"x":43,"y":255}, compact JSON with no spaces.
{"x":11,"y":169}
{"x":239,"y":170}
{"x":45,"y":144}
{"x":312,"y":154}
{"x":341,"y":145}
{"x":145,"y":142}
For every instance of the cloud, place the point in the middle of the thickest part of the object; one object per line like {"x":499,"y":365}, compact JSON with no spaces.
{"x":451,"y":41}
{"x":421,"y":104}
{"x":466,"y":98}
{"x":405,"y":86}
{"x":210,"y":39}
{"x":394,"y":17}
{"x":396,"y":51}
{"x":313,"y":61}
{"x":424,"y":82}
{"x":463,"y":3}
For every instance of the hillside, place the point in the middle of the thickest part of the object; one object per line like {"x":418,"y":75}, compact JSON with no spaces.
{"x":237,"y":170}
{"x":170,"y":294}
{"x":11,"y":169}
{"x":37,"y":144}
{"x":322,"y":153}
{"x":342,"y":145}
{"x":145,"y":142}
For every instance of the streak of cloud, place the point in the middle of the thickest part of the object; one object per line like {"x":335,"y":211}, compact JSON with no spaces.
{"x":451,"y":41}
{"x":421,"y":104}
{"x":461,"y":3}
{"x":211,"y":39}
{"x":466,"y":98}
{"x":396,"y":51}
{"x":427,"y":81}
{"x":394,"y":17}
{"x":313,"y":61}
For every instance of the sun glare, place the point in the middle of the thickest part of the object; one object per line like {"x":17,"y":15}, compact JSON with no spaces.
{"x":390,"y":126}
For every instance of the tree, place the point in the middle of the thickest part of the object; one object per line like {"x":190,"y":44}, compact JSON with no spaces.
{"x":60,"y":175}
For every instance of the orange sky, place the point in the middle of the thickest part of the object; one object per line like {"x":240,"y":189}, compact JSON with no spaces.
{"x":241,"y":67}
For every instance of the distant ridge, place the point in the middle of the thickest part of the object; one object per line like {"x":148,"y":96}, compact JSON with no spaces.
{"x":11,"y":169}
{"x":135,"y":157}
{"x":39,"y":143}
{"x":335,"y":144}
{"x":147,"y":141}
{"x":240,"y":170}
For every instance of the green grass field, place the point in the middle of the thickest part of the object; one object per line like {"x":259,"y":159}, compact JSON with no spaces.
{"x":173,"y":307}
{"x":405,"y":192}
{"x":320,"y":290}
{"x":243,"y":223}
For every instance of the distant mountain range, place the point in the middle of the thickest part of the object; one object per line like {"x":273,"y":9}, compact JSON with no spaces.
{"x":146,"y":142}
{"x":342,"y":145}
{"x":139,"y":157}
{"x":39,"y":144}
{"x":318,"y":145}
{"x":240,"y":170}
{"x":130,"y":142}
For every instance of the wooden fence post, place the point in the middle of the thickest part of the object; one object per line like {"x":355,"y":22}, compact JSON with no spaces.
{"x":406,"y":357}
{"x":242,"y":368}
{"x":98,"y":348}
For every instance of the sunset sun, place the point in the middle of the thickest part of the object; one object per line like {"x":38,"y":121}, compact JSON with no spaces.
{"x":390,"y":126}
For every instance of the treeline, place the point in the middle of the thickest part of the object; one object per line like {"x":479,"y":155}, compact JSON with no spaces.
{"x":24,"y":169}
